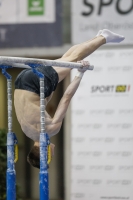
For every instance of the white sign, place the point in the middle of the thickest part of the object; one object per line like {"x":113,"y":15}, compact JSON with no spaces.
{"x":102,"y":129}
{"x":27,"y":11}
{"x":89,"y":16}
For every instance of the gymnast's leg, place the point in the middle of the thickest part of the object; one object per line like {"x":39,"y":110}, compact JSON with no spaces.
{"x":68,"y":53}
{"x":79,"y":52}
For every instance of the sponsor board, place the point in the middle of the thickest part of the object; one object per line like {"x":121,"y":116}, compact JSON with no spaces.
{"x":88,"y":17}
{"x":102,"y":127}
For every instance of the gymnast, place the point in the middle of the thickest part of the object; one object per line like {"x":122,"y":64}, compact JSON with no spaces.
{"x":27,"y":91}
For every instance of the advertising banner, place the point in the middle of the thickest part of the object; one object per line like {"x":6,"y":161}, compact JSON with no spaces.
{"x":89,"y":16}
{"x":30,"y":23}
{"x":102,"y":129}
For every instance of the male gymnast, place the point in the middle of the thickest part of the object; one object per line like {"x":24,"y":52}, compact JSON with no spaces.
{"x":27,"y":91}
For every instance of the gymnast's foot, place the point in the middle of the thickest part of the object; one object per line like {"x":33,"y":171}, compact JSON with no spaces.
{"x":33,"y":157}
{"x":111,"y":37}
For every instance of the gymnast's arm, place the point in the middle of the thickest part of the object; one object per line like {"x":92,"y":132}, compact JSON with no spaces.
{"x":59,"y":115}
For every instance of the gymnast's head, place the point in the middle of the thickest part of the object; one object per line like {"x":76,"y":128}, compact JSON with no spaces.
{"x":33,"y":157}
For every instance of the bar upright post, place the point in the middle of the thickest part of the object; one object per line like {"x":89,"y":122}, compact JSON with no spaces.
{"x":44,"y":179}
{"x":11,"y":173}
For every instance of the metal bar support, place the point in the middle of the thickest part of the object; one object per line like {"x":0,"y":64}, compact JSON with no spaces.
{"x":43,"y":175}
{"x":11,"y":174}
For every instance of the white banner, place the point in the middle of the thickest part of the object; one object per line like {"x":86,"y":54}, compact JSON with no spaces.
{"x":89,"y":16}
{"x":102,"y":129}
{"x":27,"y":11}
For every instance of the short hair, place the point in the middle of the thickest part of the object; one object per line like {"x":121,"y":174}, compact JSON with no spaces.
{"x":33,"y":157}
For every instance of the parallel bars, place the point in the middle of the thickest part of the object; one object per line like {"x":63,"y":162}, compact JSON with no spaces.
{"x":9,"y":62}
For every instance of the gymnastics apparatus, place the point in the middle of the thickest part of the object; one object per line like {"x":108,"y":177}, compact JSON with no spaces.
{"x":12,"y":150}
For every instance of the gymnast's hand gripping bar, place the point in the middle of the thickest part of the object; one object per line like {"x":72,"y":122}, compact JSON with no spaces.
{"x":23,"y":62}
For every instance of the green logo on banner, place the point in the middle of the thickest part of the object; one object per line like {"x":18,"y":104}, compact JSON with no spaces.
{"x":36,"y":7}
